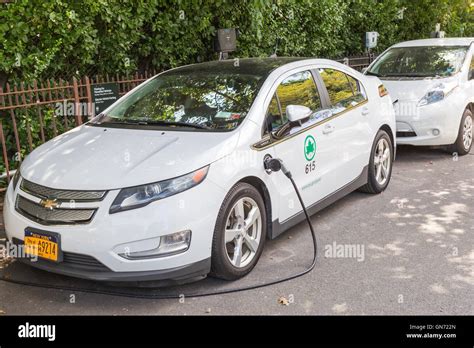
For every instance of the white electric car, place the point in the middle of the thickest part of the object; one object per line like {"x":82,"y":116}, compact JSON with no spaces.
{"x":433,"y":81}
{"x":169,"y":182}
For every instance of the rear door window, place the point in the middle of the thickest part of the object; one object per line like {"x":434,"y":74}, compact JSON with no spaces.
{"x":471,"y":69}
{"x":344,"y":91}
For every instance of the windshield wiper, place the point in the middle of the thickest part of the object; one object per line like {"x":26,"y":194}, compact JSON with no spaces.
{"x":116,"y":121}
{"x":406,"y":75}
{"x":154,"y":122}
{"x":173,"y":123}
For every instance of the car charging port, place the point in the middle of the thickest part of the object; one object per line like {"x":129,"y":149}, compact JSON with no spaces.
{"x":275,"y":165}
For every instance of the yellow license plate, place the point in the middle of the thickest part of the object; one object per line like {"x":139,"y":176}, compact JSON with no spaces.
{"x":41,"y":245}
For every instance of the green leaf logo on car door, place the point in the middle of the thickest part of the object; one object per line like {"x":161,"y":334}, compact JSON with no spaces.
{"x":309,"y":148}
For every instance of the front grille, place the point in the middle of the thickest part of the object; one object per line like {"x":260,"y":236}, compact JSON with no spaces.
{"x":406,"y":134}
{"x":61,"y":195}
{"x":46,"y":216}
{"x":56,"y":216}
{"x":73,"y":260}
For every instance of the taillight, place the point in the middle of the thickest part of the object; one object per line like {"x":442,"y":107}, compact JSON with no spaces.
{"x":382,"y":91}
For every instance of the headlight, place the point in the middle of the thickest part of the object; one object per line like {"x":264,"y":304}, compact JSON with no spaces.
{"x":139,"y":196}
{"x":432,"y":97}
{"x":16,"y":178}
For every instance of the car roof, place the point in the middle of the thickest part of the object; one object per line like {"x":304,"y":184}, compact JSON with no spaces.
{"x":455,"y":41}
{"x":252,"y":66}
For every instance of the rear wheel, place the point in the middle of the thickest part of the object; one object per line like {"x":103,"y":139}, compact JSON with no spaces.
{"x":380,"y":165}
{"x":463,"y":144}
{"x":240,"y":232}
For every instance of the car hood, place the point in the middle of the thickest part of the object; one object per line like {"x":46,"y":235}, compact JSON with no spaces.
{"x":97,"y":158}
{"x":413,"y":90}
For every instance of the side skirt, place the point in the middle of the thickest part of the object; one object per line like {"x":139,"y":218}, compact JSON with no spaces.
{"x":280,"y":227}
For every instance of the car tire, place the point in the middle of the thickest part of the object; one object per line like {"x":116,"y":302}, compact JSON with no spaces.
{"x":463,"y":143}
{"x":225,"y":263}
{"x":380,"y":166}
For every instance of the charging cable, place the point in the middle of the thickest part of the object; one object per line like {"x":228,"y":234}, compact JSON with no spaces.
{"x":270,"y":165}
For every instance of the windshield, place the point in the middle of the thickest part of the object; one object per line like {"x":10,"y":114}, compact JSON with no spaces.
{"x":426,"y":61}
{"x":190,"y":99}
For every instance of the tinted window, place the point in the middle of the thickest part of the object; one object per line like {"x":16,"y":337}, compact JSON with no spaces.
{"x":357,"y":89}
{"x":297,"y":89}
{"x":472,"y":68}
{"x":216,"y":101}
{"x":344,"y":90}
{"x":275,"y":119}
{"x":426,"y":61}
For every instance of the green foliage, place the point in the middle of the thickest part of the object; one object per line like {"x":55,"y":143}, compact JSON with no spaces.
{"x":455,"y":16}
{"x":300,"y":27}
{"x":28,"y":119}
{"x":372,"y":15}
{"x":42,"y":38}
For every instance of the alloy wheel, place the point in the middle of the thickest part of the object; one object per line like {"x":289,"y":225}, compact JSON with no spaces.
{"x":243,"y":232}
{"x":382,"y":161}
{"x":467,"y":133}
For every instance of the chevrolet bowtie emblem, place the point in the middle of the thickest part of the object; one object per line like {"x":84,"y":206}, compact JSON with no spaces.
{"x":50,"y":204}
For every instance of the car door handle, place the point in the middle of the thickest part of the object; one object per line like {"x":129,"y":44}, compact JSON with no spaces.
{"x":365,"y":111}
{"x":328,"y":129}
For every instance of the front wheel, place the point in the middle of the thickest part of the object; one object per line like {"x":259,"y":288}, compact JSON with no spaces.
{"x":463,"y":144}
{"x":240,"y":232}
{"x":380,"y":165}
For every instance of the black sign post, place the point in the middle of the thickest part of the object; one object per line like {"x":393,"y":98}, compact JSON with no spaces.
{"x":104,"y":95}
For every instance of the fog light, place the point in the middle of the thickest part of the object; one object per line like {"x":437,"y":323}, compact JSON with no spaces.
{"x":436,"y":132}
{"x":170,"y":244}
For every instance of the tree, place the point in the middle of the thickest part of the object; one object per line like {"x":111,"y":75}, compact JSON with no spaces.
{"x":421,"y":17}
{"x":40,"y":39}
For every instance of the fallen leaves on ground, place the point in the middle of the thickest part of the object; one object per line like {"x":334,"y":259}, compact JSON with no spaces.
{"x":4,"y":262}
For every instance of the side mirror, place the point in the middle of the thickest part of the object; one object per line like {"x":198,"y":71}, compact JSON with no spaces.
{"x":297,"y":112}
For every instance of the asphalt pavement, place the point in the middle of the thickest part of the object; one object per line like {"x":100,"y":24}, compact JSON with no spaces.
{"x":409,"y":251}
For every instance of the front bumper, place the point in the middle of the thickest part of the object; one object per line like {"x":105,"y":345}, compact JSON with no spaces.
{"x":176,"y":275}
{"x":429,"y":125}
{"x":108,"y":235}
